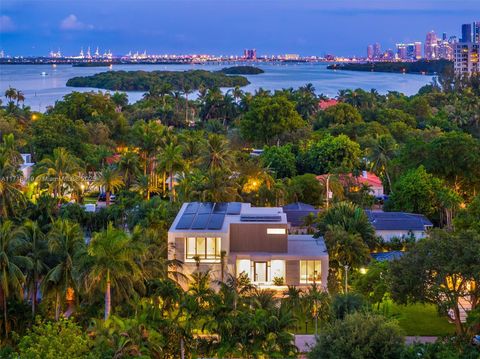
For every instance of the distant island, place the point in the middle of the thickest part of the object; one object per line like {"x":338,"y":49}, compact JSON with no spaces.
{"x":145,"y":80}
{"x":242,"y":70}
{"x":418,"y":67}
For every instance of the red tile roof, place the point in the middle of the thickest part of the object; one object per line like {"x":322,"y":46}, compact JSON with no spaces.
{"x":324,"y":104}
{"x":369,"y":179}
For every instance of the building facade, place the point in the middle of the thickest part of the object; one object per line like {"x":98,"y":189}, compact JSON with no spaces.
{"x":237,"y":238}
{"x":467,"y":58}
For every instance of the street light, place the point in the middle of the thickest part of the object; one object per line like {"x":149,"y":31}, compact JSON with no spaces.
{"x":345,"y":266}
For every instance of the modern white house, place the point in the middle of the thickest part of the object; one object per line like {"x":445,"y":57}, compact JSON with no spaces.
{"x":390,"y":225}
{"x":246,"y":239}
{"x":26,"y":167}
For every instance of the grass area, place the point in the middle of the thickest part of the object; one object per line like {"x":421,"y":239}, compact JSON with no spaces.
{"x":414,"y":319}
{"x":419,"y":319}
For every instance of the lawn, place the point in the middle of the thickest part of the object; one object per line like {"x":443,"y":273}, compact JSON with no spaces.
{"x":419,"y":319}
{"x":414,"y":319}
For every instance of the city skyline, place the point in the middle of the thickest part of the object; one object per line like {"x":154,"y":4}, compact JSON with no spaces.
{"x":315,"y":28}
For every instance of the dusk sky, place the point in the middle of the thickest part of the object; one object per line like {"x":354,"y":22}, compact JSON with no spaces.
{"x":224,"y":27}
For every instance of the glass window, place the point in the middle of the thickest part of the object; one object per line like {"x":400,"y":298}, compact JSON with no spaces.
{"x":205,"y":248}
{"x":276,"y":231}
{"x":310,"y":271}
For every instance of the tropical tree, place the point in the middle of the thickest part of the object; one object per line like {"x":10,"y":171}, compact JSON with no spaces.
{"x":12,"y":262}
{"x":129,"y":167}
{"x":217,"y":155}
{"x":380,"y":153}
{"x":109,"y":180}
{"x":11,"y":95}
{"x":11,"y":196}
{"x":36,"y":249}
{"x":171,"y":161}
{"x":67,"y":246}
{"x":59,"y":173}
{"x":112,"y":262}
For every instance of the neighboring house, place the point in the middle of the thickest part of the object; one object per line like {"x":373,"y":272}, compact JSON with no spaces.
{"x":390,"y":225}
{"x":26,"y":167}
{"x":355,"y":182}
{"x":250,"y":240}
{"x":324,"y":104}
{"x":296,"y":213}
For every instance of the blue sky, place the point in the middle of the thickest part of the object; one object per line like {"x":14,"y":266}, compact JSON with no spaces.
{"x":307,"y":27}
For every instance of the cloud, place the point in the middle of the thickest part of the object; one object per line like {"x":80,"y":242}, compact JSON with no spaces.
{"x":6,"y":24}
{"x":71,"y":22}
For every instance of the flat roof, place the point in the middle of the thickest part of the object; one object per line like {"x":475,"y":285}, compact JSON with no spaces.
{"x":209,"y":217}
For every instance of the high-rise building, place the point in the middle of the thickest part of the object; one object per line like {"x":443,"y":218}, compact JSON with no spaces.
{"x":466,"y":33}
{"x":370,"y":52}
{"x":250,"y":54}
{"x":476,"y":32}
{"x":377,"y":51}
{"x":412,"y":51}
{"x":431,"y":44}
{"x":467,"y":58}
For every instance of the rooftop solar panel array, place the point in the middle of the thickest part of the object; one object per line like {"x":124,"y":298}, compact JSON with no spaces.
{"x":207,"y":215}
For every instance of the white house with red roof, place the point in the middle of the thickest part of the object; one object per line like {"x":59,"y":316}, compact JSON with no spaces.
{"x":364,"y":179}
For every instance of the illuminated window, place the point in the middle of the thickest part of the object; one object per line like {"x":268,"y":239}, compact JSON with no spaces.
{"x":310,"y":272}
{"x":204,"y":248}
{"x":276,"y":231}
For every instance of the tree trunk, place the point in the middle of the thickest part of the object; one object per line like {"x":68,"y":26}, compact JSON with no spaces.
{"x":458,"y":323}
{"x":108,"y":302}
{"x":57,"y":305}
{"x":107,"y":198}
{"x":34,"y":296}
{"x":172,"y":188}
{"x":328,"y":189}
{"x":5,"y":316}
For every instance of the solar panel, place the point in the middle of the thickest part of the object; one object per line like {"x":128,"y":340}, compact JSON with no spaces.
{"x":186,"y":221}
{"x":192,"y":208}
{"x":253,"y":218}
{"x":234,"y":208}
{"x":201,"y":221}
{"x":220,"y":207}
{"x":205,"y":207}
{"x":216,"y":221}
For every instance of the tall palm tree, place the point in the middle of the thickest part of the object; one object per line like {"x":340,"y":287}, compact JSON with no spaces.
{"x":171,"y":161}
{"x":219,"y":187}
{"x":217,"y":154}
{"x":110,"y":180}
{"x":187,"y":89}
{"x":36,"y":248}
{"x":112,"y":263}
{"x":10,"y":185}
{"x":11,"y":94}
{"x":67,"y":245}
{"x":380,"y":154}
{"x":12,"y":278}
{"x":20,"y":97}
{"x":59,"y":173}
{"x":129,"y":167}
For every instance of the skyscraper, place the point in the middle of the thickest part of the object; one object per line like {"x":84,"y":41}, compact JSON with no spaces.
{"x":466,"y":33}
{"x":250,"y":54}
{"x":431,"y":44}
{"x":476,"y":32}
{"x":370,"y":52}
{"x":377,"y":51}
{"x":412,"y":51}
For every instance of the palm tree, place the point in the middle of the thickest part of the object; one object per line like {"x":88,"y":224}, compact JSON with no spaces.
{"x":110,"y":180}
{"x":59,"y":173}
{"x":380,"y":154}
{"x":10,"y":185}
{"x":11,"y":94}
{"x":67,"y":245}
{"x":171,"y":161}
{"x":347,"y":249}
{"x":220,"y":187}
{"x":145,"y":186}
{"x":36,"y":248}
{"x":129,"y":167}
{"x":349,"y":217}
{"x":120,"y":99}
{"x":317,"y":304}
{"x":217,"y":154}
{"x":187,"y":89}
{"x":112,"y":263}
{"x":12,"y":278}
{"x":20,"y":97}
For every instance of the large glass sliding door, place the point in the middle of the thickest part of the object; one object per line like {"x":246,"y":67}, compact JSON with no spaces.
{"x":260,"y":270}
